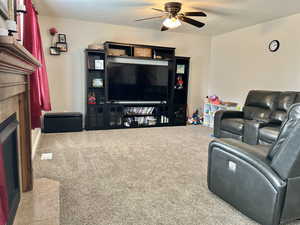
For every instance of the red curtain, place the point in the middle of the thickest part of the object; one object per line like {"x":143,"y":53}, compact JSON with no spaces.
{"x":39,"y":88}
{"x":3,"y":191}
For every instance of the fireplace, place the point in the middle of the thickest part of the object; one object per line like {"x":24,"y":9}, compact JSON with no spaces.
{"x":10,"y":164}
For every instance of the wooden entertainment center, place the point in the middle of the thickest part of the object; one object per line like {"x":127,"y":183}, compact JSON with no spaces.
{"x":115,"y":102}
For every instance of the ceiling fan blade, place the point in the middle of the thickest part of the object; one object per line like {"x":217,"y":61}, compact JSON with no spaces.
{"x":219,"y":11}
{"x":195,"y":14}
{"x":191,"y":21}
{"x":159,"y":10}
{"x":150,"y":18}
{"x":164,"y":28}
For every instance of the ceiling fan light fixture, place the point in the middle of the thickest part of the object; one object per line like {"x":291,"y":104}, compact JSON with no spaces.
{"x":172,"y":22}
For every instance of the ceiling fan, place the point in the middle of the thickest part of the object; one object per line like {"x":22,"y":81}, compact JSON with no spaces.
{"x":174,"y":16}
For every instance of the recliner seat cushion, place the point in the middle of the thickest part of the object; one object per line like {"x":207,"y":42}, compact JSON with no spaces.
{"x":269,"y":134}
{"x":235,"y":125}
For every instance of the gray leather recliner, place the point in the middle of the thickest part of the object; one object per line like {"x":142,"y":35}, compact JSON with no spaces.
{"x":262,"y":183}
{"x":261,"y":118}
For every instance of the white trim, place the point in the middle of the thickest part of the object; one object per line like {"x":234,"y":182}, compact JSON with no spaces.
{"x":35,"y":142}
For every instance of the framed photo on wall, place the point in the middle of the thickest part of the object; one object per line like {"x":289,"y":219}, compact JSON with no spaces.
{"x":62,"y":38}
{"x":4,"y":11}
{"x":62,"y":46}
{"x":54,"y":51}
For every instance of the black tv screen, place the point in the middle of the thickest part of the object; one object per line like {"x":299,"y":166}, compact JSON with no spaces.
{"x":137,"y":82}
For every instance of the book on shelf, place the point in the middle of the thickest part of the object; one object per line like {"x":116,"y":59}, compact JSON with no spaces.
{"x":139,"y":110}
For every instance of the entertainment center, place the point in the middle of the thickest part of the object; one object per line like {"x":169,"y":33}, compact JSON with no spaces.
{"x":131,"y":86}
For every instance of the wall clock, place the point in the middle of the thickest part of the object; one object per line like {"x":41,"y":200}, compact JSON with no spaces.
{"x":274,"y":45}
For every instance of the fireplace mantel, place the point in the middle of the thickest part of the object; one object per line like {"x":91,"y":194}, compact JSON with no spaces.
{"x":16,"y":64}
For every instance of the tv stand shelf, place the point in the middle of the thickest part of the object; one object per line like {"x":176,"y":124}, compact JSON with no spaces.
{"x":102,"y":112}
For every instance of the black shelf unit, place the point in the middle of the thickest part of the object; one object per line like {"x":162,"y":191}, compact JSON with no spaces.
{"x":95,"y":113}
{"x":107,"y":114}
{"x":180,"y":90}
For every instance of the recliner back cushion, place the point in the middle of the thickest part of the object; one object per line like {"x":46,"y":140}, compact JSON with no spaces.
{"x":260,"y":104}
{"x":285,"y":153}
{"x":284,"y":102}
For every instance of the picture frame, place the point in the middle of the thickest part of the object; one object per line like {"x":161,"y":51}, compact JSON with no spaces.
{"x":99,"y":64}
{"x":54,"y":51}
{"x":4,"y":9}
{"x":62,"y":38}
{"x":97,"y":83}
{"x":62,"y":46}
{"x":180,"y":69}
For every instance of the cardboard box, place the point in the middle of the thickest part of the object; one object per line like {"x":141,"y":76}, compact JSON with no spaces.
{"x":143,"y":52}
{"x":116,"y":52}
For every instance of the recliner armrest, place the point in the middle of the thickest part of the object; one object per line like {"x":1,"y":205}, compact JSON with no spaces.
{"x":251,"y":130}
{"x":222,"y":114}
{"x":246,"y":153}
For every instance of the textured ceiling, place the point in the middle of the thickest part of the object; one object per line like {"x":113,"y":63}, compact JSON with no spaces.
{"x":223,"y":15}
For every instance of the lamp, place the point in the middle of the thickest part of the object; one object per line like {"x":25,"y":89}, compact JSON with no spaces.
{"x":171,"y":22}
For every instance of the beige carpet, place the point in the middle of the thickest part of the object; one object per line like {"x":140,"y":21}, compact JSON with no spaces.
{"x":153,"y":176}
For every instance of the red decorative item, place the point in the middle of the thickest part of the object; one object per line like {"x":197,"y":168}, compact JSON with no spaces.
{"x":92,"y":99}
{"x":39,"y":89}
{"x":53,"y":31}
{"x":179,"y":83}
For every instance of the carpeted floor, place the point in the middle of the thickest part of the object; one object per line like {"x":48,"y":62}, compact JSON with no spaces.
{"x":153,"y":176}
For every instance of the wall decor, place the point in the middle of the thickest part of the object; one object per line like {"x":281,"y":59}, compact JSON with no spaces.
{"x":274,"y":45}
{"x":54,"y":51}
{"x":4,"y":9}
{"x":62,"y":46}
{"x":62,"y":38}
{"x":53,"y":31}
{"x":98,"y":83}
{"x":99,"y":64}
{"x":92,"y":99}
{"x":180,"y":69}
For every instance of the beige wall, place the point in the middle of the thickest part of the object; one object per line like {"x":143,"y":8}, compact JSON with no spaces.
{"x":241,"y":61}
{"x":67,"y":72}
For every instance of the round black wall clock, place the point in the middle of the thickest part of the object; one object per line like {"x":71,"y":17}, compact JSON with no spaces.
{"x":274,"y":45}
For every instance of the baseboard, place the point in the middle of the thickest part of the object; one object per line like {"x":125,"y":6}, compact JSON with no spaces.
{"x":35,"y":141}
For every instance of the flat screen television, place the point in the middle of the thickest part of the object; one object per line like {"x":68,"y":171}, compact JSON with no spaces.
{"x":137,"y":82}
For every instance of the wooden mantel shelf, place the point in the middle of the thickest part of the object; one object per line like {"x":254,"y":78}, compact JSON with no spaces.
{"x":9,"y":44}
{"x":16,"y":64}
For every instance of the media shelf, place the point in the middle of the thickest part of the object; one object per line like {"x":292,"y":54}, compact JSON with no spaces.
{"x":145,"y":116}
{"x":104,"y":66}
{"x":139,"y":51}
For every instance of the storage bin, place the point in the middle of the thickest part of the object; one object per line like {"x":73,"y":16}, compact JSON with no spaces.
{"x":62,"y":122}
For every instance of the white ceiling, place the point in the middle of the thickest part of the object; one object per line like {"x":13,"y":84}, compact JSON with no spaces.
{"x":223,"y":15}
